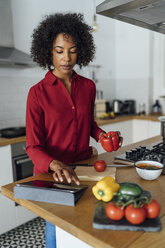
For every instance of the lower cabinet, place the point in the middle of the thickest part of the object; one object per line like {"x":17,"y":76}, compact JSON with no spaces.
{"x":65,"y":240}
{"x":143,"y":129}
{"x":23,"y":215}
{"x":7,"y":214}
{"x":11,"y":215}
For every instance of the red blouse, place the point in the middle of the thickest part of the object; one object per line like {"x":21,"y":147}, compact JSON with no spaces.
{"x":59,"y":126}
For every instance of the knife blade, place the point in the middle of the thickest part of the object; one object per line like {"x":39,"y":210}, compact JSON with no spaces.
{"x":108,"y":165}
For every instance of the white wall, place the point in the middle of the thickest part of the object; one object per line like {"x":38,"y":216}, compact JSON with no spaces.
{"x":15,"y":82}
{"x":133,"y":63}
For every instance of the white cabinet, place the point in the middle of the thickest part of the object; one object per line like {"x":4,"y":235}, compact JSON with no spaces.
{"x":154,"y":128}
{"x":7,"y":214}
{"x":23,"y":215}
{"x":144,"y":129}
{"x":7,"y":207}
{"x":140,"y":130}
{"x":6,"y":175}
{"x":10,"y":214}
{"x":65,"y":240}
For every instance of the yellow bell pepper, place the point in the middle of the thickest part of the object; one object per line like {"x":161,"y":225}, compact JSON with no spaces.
{"x":105,"y":189}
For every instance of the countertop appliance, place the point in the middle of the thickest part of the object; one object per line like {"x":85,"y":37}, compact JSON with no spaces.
{"x":129,"y":107}
{"x":117,"y":107}
{"x":126,"y":107}
{"x":149,"y":14}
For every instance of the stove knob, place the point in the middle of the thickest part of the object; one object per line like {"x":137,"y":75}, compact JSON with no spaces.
{"x":128,"y":154}
{"x":134,"y":151}
{"x":135,"y":157}
{"x":143,"y":148}
{"x":138,"y":149}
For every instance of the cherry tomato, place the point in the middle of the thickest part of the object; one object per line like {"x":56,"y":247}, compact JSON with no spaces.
{"x":135,"y":215}
{"x":152,"y":209}
{"x":113,"y":212}
{"x":100,"y":165}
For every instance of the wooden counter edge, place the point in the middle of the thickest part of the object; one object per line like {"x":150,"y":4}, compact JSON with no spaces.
{"x":5,"y":141}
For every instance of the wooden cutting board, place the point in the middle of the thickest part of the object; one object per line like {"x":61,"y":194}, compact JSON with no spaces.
{"x":90,"y":174}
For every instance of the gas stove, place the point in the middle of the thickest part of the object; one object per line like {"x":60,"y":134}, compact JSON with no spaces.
{"x":154,"y":152}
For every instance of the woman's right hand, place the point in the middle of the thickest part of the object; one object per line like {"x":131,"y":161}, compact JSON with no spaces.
{"x":59,"y":169}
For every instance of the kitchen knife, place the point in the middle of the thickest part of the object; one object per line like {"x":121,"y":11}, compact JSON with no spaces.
{"x":108,"y":165}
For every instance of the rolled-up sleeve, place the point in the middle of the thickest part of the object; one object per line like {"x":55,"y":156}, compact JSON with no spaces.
{"x":35,"y":142}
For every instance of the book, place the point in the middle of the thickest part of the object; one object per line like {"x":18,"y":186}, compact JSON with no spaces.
{"x":50,"y":192}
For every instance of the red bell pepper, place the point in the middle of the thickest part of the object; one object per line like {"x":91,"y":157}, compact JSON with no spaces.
{"x":110,"y":141}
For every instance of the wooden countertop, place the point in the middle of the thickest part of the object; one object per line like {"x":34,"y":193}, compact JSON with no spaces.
{"x":5,"y":141}
{"x":127,"y":118}
{"x":78,"y":220}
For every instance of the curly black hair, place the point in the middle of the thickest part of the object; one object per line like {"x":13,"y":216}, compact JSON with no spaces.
{"x":69,"y":23}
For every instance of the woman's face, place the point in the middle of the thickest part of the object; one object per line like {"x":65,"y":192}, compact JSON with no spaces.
{"x":64,"y":54}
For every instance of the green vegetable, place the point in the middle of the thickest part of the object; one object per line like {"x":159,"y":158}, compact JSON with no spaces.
{"x":129,"y":191}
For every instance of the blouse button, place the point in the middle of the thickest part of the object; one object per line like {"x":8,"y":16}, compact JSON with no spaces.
{"x":73,"y":107}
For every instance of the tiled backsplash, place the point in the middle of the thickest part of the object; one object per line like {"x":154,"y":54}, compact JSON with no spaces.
{"x":14,"y":88}
{"x":13,"y":94}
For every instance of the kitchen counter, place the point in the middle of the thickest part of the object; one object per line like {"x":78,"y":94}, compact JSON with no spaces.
{"x":78,"y":220}
{"x":127,"y":118}
{"x":5,"y":141}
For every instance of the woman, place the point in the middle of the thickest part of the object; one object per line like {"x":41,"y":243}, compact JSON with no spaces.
{"x":60,"y":108}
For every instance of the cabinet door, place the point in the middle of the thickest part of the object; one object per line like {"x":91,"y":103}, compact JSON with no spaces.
{"x":7,"y":214}
{"x":140,"y":130}
{"x":6,"y":175}
{"x":65,"y":239}
{"x":154,"y":128}
{"x":23,"y":215}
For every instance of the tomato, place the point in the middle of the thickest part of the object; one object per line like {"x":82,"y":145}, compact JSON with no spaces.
{"x":135,"y":215}
{"x":110,"y":141}
{"x":152,"y":209}
{"x":100,"y":165}
{"x":113,"y":212}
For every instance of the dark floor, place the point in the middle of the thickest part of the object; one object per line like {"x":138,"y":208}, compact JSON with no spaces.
{"x":30,"y":234}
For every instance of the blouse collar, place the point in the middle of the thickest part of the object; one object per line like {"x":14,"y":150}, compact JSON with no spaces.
{"x":51,"y":78}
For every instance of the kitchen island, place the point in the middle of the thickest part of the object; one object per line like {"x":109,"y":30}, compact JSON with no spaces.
{"x":78,"y":220}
